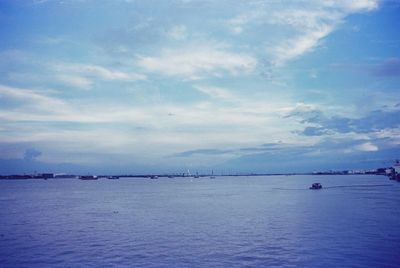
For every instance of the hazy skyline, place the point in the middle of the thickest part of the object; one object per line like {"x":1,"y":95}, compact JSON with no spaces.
{"x":166,"y":86}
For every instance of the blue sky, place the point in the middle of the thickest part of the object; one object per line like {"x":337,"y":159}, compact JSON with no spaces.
{"x":165,"y":86}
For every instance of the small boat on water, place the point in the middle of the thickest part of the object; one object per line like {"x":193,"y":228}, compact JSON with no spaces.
{"x":212,"y":175}
{"x":88,"y":177}
{"x":113,"y":177}
{"x":316,"y":186}
{"x":154,"y":177}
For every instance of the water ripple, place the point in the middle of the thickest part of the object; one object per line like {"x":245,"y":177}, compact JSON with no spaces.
{"x":226,"y":222}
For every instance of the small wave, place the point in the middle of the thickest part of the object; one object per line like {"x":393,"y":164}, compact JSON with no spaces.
{"x":357,"y":185}
{"x":290,"y":189}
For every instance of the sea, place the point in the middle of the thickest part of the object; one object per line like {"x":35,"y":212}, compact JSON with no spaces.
{"x":244,"y":221}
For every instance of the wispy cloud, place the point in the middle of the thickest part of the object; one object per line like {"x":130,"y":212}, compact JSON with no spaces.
{"x":75,"y":81}
{"x":196,"y":61}
{"x":83,"y":75}
{"x":367,"y":147}
{"x":178,"y":133}
{"x":99,"y":72}
{"x":32,"y":99}
{"x":303,"y":25}
{"x":304,"y":43}
{"x":28,"y":69}
{"x":216,"y":92}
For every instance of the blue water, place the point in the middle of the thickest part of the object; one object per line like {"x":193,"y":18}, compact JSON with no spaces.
{"x":226,"y":222}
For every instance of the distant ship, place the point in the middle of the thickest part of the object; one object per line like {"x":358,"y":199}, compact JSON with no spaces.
{"x":316,"y":186}
{"x":395,"y":171}
{"x":113,"y":177}
{"x":88,"y":177}
{"x":154,"y":177}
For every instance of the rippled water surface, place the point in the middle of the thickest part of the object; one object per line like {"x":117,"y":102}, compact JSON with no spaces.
{"x":271,"y":221}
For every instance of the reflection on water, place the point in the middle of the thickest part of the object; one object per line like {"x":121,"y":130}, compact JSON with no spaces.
{"x":226,"y":222}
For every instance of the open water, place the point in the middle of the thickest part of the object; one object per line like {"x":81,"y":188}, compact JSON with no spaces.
{"x":273,"y":221}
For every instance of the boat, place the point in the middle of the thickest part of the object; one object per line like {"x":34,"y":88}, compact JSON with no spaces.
{"x":212,"y":175}
{"x":316,"y":186}
{"x":113,"y":177}
{"x":154,"y":177}
{"x":88,"y":177}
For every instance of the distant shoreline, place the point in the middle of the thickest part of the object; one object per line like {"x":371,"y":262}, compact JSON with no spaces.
{"x":46,"y":176}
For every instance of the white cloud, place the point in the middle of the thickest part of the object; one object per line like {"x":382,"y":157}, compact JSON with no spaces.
{"x":315,"y":24}
{"x":216,"y":92}
{"x":306,"y":28}
{"x":367,"y":147}
{"x":238,"y":23}
{"x":298,"y":46}
{"x":193,"y":62}
{"x":32,"y":105}
{"x":31,"y":98}
{"x":32,"y":70}
{"x":246,"y":123}
{"x":302,"y":25}
{"x":97,"y":71}
{"x":75,"y":81}
{"x":353,"y":6}
{"x":82,"y":76}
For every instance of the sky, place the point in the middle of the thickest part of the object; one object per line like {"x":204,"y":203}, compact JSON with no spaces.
{"x":133,"y":86}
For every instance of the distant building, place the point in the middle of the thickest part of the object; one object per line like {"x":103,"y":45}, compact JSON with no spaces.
{"x":388,"y":171}
{"x":395,"y":171}
{"x":65,"y":176}
{"x":396,"y":167}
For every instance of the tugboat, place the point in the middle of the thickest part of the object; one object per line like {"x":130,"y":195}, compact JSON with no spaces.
{"x":316,"y":186}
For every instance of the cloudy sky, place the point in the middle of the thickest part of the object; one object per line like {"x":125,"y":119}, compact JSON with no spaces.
{"x":165,"y":86}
